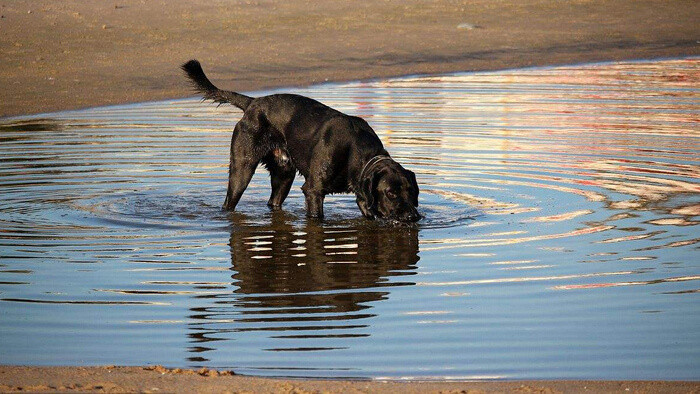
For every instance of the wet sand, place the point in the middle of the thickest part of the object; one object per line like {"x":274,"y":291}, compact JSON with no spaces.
{"x":157,"y":379}
{"x":59,"y":55}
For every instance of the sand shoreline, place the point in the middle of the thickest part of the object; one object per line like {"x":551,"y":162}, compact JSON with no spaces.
{"x":75,"y":54}
{"x":157,"y":379}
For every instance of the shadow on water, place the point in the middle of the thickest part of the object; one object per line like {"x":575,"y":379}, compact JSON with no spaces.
{"x":312,"y":281}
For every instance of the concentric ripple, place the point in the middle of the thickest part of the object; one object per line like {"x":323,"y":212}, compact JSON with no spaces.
{"x":559,"y":238}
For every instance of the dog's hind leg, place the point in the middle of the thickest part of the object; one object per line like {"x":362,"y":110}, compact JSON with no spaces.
{"x":245,"y":156}
{"x":237,"y":183}
{"x":281,"y":181}
{"x":282,"y":173}
{"x":240,"y":174}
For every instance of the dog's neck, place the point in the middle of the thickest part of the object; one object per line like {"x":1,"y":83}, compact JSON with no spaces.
{"x":371,"y":162}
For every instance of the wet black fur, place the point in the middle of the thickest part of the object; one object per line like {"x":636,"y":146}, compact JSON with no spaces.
{"x":333,"y":151}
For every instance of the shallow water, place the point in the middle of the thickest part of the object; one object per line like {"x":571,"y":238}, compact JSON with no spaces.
{"x":560,"y":236}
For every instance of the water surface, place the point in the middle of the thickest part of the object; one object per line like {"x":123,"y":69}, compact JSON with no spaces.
{"x":560,"y":238}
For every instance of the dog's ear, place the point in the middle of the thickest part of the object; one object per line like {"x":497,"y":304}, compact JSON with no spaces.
{"x":414,"y":183}
{"x":366,"y":196}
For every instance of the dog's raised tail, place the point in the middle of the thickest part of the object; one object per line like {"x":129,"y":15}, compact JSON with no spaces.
{"x":203,"y":85}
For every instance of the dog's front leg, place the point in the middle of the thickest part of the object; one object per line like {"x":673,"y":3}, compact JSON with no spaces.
{"x":314,"y":201}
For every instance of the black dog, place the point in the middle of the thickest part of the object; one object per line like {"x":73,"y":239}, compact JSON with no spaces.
{"x":335,"y":153}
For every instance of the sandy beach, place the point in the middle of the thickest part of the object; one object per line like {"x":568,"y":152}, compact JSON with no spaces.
{"x":74,"y":54}
{"x":157,"y":379}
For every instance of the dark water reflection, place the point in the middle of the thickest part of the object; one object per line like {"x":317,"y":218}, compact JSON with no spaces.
{"x":281,"y":258}
{"x":312,"y":282}
{"x":560,"y":238}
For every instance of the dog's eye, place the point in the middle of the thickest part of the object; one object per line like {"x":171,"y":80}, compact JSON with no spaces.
{"x":391,"y":194}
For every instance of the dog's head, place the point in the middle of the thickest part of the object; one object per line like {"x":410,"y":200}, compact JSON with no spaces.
{"x":388,"y":191}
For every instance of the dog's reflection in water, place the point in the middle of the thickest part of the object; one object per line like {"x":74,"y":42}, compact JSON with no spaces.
{"x":304,"y":282}
{"x":278,"y":264}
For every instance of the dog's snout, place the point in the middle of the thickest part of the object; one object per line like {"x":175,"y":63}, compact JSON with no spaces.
{"x":412,"y":216}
